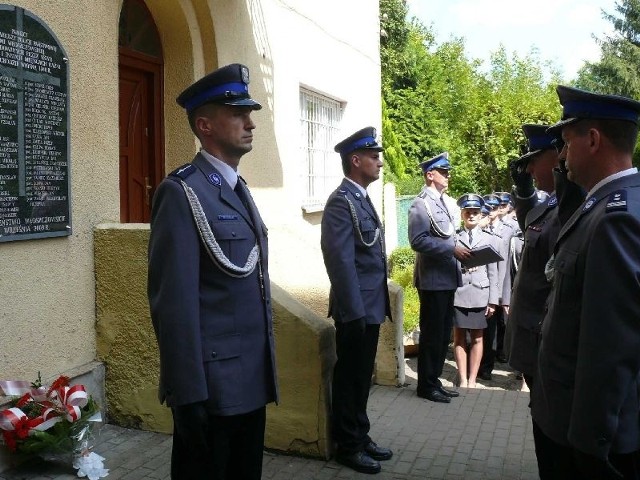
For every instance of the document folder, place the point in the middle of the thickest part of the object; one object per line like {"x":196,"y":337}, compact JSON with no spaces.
{"x":482,"y":256}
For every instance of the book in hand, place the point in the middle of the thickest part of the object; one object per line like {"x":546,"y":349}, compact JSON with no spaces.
{"x":482,"y":256}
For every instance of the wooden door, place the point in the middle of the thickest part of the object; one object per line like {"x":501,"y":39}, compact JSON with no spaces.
{"x":137,"y":176}
{"x":140,"y":107}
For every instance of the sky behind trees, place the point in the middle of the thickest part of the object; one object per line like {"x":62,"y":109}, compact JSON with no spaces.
{"x":561,"y":30}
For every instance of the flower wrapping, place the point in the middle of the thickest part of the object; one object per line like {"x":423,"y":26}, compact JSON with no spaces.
{"x":54,"y":422}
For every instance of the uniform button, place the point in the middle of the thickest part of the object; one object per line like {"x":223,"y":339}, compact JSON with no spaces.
{"x":233,"y":234}
{"x":214,"y":354}
{"x":602,"y":440}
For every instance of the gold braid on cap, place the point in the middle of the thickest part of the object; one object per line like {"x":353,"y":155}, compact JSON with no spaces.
{"x":356,"y":225}
{"x":213,"y":248}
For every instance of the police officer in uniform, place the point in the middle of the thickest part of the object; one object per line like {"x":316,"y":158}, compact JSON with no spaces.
{"x":209,"y":293}
{"x":586,"y":397}
{"x":352,"y":241}
{"x":502,"y":234}
{"x":478,"y":296}
{"x":436,"y":275}
{"x":540,"y":220}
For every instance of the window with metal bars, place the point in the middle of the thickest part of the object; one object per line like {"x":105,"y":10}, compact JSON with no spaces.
{"x":320,"y":118}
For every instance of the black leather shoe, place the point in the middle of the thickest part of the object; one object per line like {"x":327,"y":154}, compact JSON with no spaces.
{"x":501,"y":357}
{"x":376,"y":452}
{"x":484,"y":376}
{"x":436,"y":396}
{"x":449,"y":393}
{"x":360,"y":462}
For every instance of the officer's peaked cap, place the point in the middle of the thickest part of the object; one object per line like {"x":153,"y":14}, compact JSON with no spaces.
{"x":580,"y":104}
{"x":363,"y":139}
{"x":539,"y":138}
{"x":440,"y":161}
{"x":470,"y":200}
{"x":491,"y":200}
{"x":228,"y":85}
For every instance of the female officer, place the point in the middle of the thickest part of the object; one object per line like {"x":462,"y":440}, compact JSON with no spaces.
{"x":478,"y":296}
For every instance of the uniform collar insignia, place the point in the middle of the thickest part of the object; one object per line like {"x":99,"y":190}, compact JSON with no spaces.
{"x":590,"y":203}
{"x":214,"y":178}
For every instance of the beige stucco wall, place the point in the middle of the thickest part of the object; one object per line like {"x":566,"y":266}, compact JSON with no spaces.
{"x":47,"y":311}
{"x":299,"y":43}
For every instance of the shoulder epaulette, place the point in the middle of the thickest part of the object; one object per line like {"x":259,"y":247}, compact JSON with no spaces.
{"x":495,"y":234}
{"x":617,"y":202}
{"x":422,"y":194}
{"x":184,"y":171}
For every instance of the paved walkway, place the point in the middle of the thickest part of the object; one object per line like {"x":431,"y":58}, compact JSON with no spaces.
{"x":483,"y":434}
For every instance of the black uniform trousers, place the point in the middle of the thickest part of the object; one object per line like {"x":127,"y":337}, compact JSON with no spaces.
{"x":436,"y":321}
{"x":356,"y":346}
{"x":234,"y":449}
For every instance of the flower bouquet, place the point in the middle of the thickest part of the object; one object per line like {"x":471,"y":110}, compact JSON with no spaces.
{"x":54,"y":422}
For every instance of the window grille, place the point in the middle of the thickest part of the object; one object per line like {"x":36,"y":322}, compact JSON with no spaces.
{"x":320,"y":118}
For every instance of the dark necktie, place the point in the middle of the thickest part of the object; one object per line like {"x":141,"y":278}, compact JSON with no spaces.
{"x":470,"y":237}
{"x":444,"y":205}
{"x":242,"y":193}
{"x":373,"y":209}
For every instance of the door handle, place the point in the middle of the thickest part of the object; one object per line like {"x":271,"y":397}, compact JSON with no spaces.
{"x":147,"y":190}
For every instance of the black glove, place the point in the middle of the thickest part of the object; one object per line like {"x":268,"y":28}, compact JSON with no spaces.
{"x":522,"y":180}
{"x":570,"y":195}
{"x":594,"y":467}
{"x":190,"y":422}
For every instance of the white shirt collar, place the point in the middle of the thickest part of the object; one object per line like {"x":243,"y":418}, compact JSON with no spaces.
{"x":363,"y":191}
{"x":434,"y":192}
{"x":611,"y":178}
{"x":229,"y":174}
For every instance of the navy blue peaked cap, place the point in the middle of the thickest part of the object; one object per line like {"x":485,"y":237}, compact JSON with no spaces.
{"x":440,"y":161}
{"x":539,"y":138}
{"x":491,"y":200}
{"x":580,"y":104}
{"x":363,"y":139}
{"x":503,"y":197}
{"x":470,"y":200}
{"x":228,"y":85}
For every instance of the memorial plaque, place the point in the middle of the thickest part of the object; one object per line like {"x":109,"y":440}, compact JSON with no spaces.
{"x":34,"y":129}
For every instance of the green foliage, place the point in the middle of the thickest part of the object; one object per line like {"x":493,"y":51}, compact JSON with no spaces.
{"x":400,"y":259}
{"x":401,"y":263}
{"x":616,"y":72}
{"x":435,"y":99}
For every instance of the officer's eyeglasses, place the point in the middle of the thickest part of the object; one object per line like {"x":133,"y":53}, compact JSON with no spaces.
{"x":444,"y":173}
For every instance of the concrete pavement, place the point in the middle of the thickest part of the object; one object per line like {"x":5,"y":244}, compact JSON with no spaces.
{"x":483,"y":434}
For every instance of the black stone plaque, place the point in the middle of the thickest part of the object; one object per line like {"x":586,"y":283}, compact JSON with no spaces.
{"x":34,"y":129}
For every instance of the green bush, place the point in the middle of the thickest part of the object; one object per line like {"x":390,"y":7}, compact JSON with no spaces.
{"x":401,"y":258}
{"x":401,"y":268}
